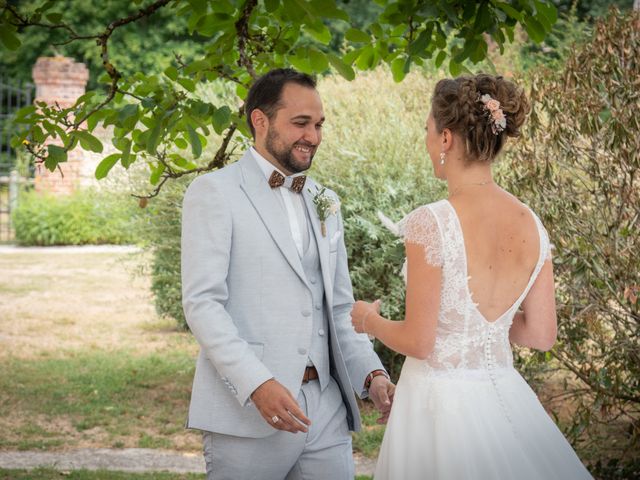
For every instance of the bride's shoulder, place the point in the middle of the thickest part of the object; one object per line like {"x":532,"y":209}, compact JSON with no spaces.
{"x":421,"y":218}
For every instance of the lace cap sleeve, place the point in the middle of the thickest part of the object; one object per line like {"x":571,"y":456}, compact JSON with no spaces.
{"x":421,"y":227}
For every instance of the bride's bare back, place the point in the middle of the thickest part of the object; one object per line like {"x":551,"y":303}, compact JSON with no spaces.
{"x":502,"y":246}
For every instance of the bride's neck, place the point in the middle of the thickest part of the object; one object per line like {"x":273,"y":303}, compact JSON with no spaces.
{"x":460,"y":174}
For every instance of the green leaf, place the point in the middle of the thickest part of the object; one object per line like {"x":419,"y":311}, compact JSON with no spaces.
{"x":194,"y":139}
{"x":181,"y":143}
{"x":127,"y":159}
{"x":398,"y":69}
{"x":171,"y":72}
{"x":156,"y":173}
{"x":54,"y":17}
{"x":188,"y":84}
{"x":366,"y":60}
{"x":509,"y":10}
{"x":454,"y":68}
{"x":318,"y":60}
{"x":271,"y":5}
{"x":220,"y":119}
{"x":107,"y":163}
{"x":341,"y":67}
{"x":546,"y":14}
{"x":320,"y":32}
{"x":56,"y":155}
{"x":8,"y":39}
{"x":358,"y":36}
{"x":535,"y":30}
{"x":154,"y":138}
{"x":88,"y":141}
{"x":128,"y":116}
{"x":440,"y":58}
{"x":300,"y":63}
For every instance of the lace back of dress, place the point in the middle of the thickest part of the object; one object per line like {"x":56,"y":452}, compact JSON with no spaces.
{"x":465,"y":340}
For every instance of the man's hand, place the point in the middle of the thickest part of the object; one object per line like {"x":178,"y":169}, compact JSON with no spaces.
{"x":381,"y":393}
{"x":278,"y":407}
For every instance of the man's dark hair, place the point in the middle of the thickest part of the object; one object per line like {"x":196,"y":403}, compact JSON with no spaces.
{"x":266,"y":92}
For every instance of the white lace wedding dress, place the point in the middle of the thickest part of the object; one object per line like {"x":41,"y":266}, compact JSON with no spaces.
{"x":465,"y":412}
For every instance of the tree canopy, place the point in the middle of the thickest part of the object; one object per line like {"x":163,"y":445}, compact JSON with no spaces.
{"x":157,"y":117}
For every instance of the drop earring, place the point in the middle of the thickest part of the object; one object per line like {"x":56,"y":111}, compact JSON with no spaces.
{"x":442,"y":158}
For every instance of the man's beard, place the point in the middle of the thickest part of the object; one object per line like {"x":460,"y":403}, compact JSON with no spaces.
{"x":284,"y":156}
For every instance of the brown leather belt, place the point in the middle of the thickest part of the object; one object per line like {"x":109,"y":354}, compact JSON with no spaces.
{"x":310,"y":373}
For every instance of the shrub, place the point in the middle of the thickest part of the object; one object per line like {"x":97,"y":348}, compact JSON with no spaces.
{"x":84,"y":217}
{"x":578,"y":168}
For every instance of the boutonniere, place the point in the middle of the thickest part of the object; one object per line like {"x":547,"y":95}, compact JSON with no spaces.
{"x":325,"y":206}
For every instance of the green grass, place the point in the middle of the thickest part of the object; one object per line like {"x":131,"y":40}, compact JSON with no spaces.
{"x":368,"y":440}
{"x":120,"y":392}
{"x":49,"y":474}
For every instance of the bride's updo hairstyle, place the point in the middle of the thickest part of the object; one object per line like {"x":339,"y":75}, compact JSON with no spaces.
{"x":462,"y":106}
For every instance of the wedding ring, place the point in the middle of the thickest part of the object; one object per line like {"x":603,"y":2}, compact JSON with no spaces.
{"x":275,"y":419}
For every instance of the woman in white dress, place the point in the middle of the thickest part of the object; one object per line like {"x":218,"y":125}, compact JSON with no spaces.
{"x":479,"y":277}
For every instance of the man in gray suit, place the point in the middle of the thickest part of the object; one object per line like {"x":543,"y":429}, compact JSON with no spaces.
{"x":267,"y":294}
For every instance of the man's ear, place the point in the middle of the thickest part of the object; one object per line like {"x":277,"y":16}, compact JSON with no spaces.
{"x":259,"y":120}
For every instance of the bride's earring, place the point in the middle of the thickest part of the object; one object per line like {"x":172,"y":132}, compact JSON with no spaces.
{"x":442,"y":158}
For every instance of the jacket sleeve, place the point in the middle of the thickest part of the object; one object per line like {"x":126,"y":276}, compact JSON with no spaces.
{"x":207,"y":229}
{"x":357,"y":349}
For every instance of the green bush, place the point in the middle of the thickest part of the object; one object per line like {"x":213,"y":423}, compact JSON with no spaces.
{"x":84,"y":217}
{"x":577,"y":166}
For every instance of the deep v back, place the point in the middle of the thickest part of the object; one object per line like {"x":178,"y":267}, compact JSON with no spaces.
{"x":522,"y":279}
{"x":464,"y":337}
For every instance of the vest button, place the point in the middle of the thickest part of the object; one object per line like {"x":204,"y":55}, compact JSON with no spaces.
{"x":321,"y":332}
{"x":312,"y":280}
{"x":306,"y":313}
{"x":302,"y":351}
{"x":318,"y":307}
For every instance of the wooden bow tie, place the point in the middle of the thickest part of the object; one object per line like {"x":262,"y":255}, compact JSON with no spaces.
{"x":295,"y":184}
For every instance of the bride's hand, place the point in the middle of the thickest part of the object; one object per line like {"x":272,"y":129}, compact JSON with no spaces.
{"x":361,"y":312}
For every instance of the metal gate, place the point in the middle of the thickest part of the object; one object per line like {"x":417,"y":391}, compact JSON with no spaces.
{"x":14,"y":169}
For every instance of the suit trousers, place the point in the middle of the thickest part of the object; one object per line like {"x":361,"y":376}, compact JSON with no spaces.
{"x":323,"y":452}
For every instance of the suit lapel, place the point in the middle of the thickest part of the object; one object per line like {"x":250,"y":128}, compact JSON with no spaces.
{"x":262,"y":198}
{"x":323,"y":241}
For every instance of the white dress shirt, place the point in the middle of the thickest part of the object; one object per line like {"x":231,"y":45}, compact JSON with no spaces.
{"x":293,"y":204}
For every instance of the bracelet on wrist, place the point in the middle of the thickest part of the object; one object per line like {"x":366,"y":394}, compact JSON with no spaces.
{"x":372,"y":375}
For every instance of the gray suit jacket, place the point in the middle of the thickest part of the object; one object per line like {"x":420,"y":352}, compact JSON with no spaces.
{"x":248,"y":303}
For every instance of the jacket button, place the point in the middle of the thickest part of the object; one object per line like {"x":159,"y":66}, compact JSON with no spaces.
{"x":302,"y":351}
{"x":306,"y":313}
{"x":318,"y":307}
{"x":321,"y":332}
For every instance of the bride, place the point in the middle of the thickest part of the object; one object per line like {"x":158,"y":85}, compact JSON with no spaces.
{"x":479,"y":277}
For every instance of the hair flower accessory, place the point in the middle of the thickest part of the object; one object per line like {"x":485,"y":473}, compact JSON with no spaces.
{"x":495,"y":114}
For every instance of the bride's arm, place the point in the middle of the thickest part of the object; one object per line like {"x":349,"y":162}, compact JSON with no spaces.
{"x":414,"y":336}
{"x":536,"y":325}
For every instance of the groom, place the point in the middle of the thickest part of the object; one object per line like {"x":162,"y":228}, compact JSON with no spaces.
{"x":266,"y":292}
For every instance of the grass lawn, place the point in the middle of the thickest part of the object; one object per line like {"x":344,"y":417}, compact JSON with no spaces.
{"x":86,"y":363}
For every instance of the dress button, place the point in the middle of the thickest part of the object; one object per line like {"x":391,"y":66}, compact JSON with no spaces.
{"x":321,"y":332}
{"x":306,"y":313}
{"x":302,"y":351}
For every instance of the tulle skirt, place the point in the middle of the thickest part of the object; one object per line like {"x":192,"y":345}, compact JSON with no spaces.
{"x":468,"y":424}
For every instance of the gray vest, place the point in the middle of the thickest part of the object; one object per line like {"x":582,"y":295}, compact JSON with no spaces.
{"x":319,"y":353}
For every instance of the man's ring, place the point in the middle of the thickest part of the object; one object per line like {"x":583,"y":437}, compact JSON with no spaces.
{"x":275,"y":419}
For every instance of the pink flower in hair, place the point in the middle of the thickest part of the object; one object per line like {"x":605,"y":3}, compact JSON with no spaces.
{"x":495,"y":114}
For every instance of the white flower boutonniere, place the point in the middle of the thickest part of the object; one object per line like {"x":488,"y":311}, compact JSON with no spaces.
{"x":325,"y":206}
